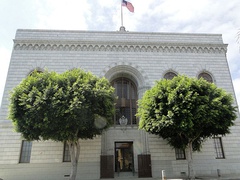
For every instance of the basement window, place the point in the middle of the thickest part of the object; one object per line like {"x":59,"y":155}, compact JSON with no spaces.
{"x":180,"y":154}
{"x":218,"y":148}
{"x":66,"y":153}
{"x":26,"y":150}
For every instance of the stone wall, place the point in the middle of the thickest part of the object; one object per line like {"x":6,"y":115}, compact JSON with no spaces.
{"x":142,"y":57}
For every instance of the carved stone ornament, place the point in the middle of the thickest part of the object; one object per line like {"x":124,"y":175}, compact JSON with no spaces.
{"x":123,"y":121}
{"x":118,"y":47}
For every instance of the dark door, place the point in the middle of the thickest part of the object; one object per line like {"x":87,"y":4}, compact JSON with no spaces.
{"x":106,"y":166}
{"x":144,"y":165}
{"x":123,"y":156}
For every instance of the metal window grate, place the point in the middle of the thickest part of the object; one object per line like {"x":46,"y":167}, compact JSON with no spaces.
{"x":25,"y":152}
{"x":126,"y":103}
{"x":218,"y":148}
{"x":206,"y":76}
{"x":66,"y":153}
{"x":180,"y":154}
{"x":170,"y":75}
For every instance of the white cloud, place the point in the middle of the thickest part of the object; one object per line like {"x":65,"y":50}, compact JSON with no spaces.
{"x":64,"y":14}
{"x":205,"y":16}
{"x":236,"y":84}
{"x":5,"y":59}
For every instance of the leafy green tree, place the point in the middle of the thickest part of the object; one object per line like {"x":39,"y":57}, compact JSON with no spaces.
{"x":185,"y":112}
{"x":62,"y":107}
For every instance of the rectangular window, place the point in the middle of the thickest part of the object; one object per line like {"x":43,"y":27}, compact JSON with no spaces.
{"x":66,"y":153}
{"x":25,"y":152}
{"x":218,"y":148}
{"x":180,"y":154}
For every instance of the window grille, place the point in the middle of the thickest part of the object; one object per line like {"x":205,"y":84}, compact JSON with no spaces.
{"x":205,"y":76}
{"x":25,"y":154}
{"x":180,"y":154}
{"x":169,"y":75}
{"x":66,"y":153}
{"x":126,"y":103}
{"x":218,"y":148}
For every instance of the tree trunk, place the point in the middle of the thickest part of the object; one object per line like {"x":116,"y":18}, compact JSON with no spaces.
{"x":191,"y":175}
{"x":74,"y":148}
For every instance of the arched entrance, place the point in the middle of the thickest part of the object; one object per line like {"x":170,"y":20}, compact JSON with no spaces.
{"x":121,"y":146}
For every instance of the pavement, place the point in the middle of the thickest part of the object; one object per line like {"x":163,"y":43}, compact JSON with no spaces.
{"x":135,"y":177}
{"x":197,"y":178}
{"x":159,"y":178}
{"x":225,"y":177}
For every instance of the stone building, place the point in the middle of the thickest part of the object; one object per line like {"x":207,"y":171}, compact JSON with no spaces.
{"x":131,"y":61}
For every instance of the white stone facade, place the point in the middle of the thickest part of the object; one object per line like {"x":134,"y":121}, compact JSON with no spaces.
{"x":141,"y":57}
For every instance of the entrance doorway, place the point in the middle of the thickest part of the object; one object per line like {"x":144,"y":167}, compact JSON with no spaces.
{"x":124,"y":157}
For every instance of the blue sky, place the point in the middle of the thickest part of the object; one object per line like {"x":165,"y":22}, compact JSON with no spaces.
{"x":185,"y":16}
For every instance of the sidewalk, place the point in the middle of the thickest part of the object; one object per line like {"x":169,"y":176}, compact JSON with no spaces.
{"x":224,"y":177}
{"x":135,"y":177}
{"x":197,"y":178}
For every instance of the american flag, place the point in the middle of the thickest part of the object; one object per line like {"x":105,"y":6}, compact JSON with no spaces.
{"x":128,"y":5}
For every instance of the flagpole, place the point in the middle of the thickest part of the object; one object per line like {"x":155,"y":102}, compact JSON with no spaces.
{"x":121,"y":14}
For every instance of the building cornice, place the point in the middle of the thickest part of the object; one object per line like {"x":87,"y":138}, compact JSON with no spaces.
{"x":119,"y":46}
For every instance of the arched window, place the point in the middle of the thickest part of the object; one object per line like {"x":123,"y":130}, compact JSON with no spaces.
{"x":126,"y":103}
{"x":170,"y":75}
{"x":37,"y":70}
{"x":206,"y":76}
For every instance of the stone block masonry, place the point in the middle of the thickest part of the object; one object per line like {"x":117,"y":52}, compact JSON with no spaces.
{"x":139,"y":56}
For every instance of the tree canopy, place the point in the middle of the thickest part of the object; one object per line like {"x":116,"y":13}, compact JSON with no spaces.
{"x":186,"y":111}
{"x":62,"y":107}
{"x":67,"y":106}
{"x":186,"y":108}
